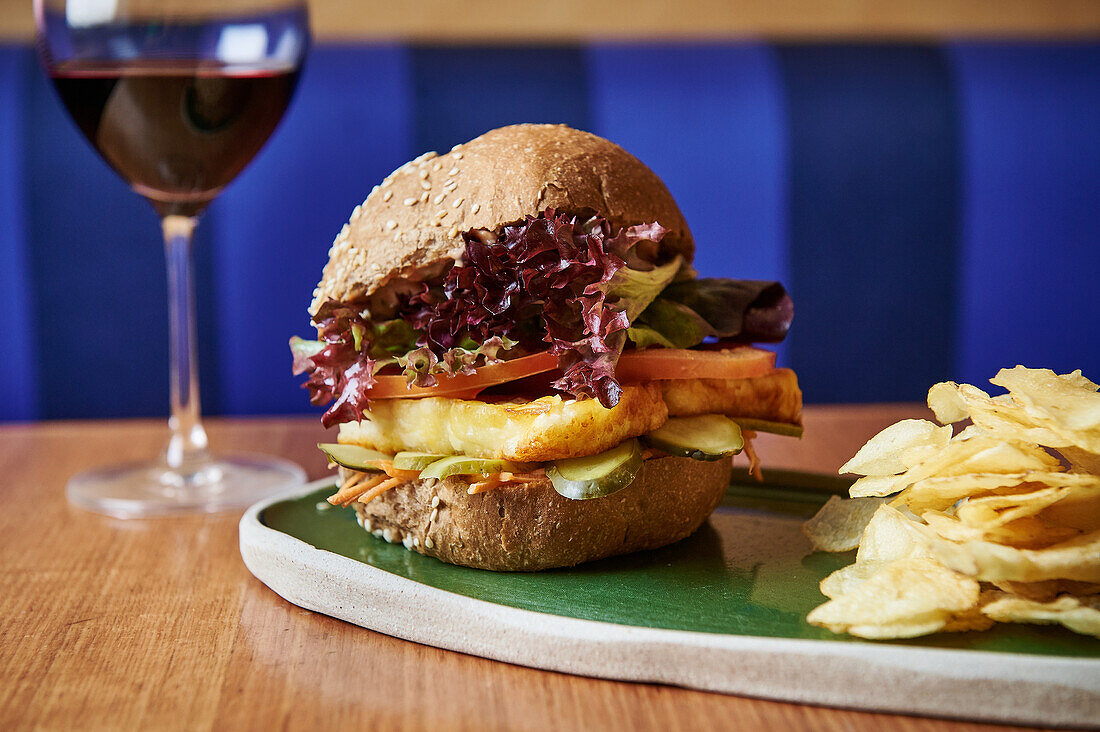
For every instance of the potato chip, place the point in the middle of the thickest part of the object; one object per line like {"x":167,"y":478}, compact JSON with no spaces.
{"x":839,"y":524}
{"x":1000,"y":416}
{"x":846,"y":579}
{"x":946,"y":404}
{"x":890,"y":535}
{"x":1039,"y":495}
{"x":1080,"y":615}
{"x":874,"y":486}
{"x":1028,"y":532}
{"x":941,"y":492}
{"x":1081,"y":461}
{"x":1079,"y":510}
{"x":991,"y":504}
{"x":1067,"y":405}
{"x":1048,"y":590}
{"x":908,"y":597}
{"x":882,"y":453}
{"x":968,"y":620}
{"x":1076,"y":559}
{"x":993,"y":511}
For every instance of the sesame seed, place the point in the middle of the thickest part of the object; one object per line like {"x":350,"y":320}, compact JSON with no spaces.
{"x":425,"y":185}
{"x":458,"y":202}
{"x":423,"y":173}
{"x":391,"y":224}
{"x":453,"y":149}
{"x":439,"y":199}
{"x":435,"y":501}
{"x":423,"y":197}
{"x":397,"y":239}
{"x":387,"y":182}
{"x":416,"y":541}
{"x":453,"y":232}
{"x":458,"y":156}
{"x":428,"y":542}
{"x":388,"y":534}
{"x":387,"y":196}
{"x":450,"y":186}
{"x":442,"y":213}
{"x":453,"y":171}
{"x":437,"y":166}
{"x":476,"y":208}
{"x":407,"y":541}
{"x":409,"y":201}
{"x":434,"y":515}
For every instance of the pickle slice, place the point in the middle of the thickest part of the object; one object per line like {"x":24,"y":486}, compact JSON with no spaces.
{"x":596,"y":476}
{"x":415,"y":460}
{"x":462,"y":465}
{"x":765,"y":425}
{"x":354,"y":456}
{"x":705,"y":437}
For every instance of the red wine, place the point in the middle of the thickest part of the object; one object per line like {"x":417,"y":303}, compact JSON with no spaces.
{"x":178,"y":131}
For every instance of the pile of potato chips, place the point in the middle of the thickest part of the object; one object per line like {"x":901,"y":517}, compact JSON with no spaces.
{"x":999,"y":522}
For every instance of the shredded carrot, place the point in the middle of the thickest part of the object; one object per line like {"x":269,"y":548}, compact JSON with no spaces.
{"x":485,"y":485}
{"x":393,"y":472}
{"x":379,"y":489}
{"x":353,"y":488}
{"x":754,"y":459}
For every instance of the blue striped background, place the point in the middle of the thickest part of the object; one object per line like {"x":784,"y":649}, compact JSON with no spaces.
{"x":933,"y":208}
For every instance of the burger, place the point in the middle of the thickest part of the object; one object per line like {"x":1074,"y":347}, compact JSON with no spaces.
{"x":525,"y":370}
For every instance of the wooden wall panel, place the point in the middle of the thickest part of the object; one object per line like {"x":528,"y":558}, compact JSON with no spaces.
{"x":570,"y":20}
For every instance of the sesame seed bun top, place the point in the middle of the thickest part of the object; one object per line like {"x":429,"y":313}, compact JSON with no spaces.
{"x":410,"y":226}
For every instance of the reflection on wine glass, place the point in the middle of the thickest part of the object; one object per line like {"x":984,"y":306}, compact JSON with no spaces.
{"x":177,"y":96}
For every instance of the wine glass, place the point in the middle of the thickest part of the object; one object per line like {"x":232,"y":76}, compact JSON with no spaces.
{"x":177,"y":96}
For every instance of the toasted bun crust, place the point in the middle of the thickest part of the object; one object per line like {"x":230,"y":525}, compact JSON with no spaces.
{"x":410,"y":225}
{"x":530,"y":527}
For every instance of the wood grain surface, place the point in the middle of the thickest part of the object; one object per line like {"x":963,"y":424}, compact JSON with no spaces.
{"x":156,"y":624}
{"x":505,"y":21}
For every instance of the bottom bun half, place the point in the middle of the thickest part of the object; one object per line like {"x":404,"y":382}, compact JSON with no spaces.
{"x":528,"y":527}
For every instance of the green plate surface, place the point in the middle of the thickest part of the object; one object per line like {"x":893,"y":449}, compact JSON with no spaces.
{"x":748,"y":571}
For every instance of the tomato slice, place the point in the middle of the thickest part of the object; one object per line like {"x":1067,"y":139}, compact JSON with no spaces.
{"x":651,"y":364}
{"x":658,"y":364}
{"x":465,"y":386}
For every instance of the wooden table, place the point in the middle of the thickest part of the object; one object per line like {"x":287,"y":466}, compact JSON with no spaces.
{"x":157,"y":624}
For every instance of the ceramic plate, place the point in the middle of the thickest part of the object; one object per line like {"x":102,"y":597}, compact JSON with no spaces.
{"x":723,"y":610}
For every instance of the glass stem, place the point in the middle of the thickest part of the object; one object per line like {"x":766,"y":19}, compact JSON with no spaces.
{"x":187,"y":449}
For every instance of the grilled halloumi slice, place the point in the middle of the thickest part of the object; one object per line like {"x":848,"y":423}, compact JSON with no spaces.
{"x":552,"y":427}
{"x":549,"y":428}
{"x":774,"y":397}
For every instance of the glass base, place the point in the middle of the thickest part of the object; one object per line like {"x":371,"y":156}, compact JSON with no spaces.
{"x":222,"y":483}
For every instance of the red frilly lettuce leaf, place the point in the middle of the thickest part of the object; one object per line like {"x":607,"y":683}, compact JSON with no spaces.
{"x":551,"y":269}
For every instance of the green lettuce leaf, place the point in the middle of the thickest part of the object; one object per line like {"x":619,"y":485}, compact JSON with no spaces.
{"x":632,"y":290}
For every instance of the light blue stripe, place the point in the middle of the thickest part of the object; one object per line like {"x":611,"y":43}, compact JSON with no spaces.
{"x":19,"y":384}
{"x":1030,"y":125}
{"x":348,"y":127}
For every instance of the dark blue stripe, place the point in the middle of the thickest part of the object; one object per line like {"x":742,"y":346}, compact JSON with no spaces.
{"x":1031,"y":134}
{"x":18,"y":388}
{"x":348,"y":127}
{"x":874,"y":219}
{"x":462,"y":92}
